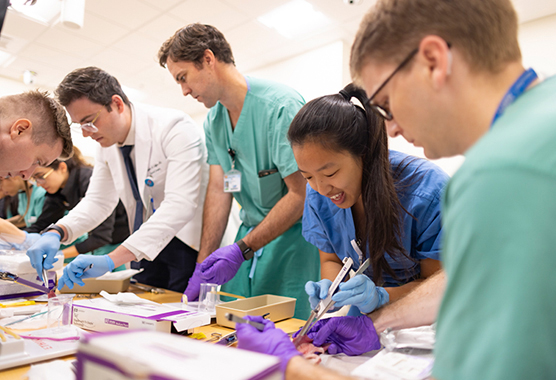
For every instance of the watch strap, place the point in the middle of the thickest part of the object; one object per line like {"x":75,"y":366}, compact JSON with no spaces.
{"x":54,"y":227}
{"x":246,"y":251}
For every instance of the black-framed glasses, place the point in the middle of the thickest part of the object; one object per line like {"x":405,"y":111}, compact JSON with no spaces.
{"x":381,"y":110}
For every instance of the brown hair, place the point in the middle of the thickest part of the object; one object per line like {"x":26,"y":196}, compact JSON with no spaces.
{"x":189,"y":44}
{"x":92,"y":83}
{"x":47,"y":116}
{"x":485,"y":31}
{"x":77,"y":160}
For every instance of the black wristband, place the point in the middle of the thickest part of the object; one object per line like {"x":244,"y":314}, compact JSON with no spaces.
{"x":246,"y":251}
{"x":54,"y":227}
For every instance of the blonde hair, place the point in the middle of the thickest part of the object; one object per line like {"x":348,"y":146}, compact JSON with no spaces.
{"x":47,"y":115}
{"x":485,"y":31}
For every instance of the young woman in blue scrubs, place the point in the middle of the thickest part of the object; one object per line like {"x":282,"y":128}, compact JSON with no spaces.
{"x":358,"y":190}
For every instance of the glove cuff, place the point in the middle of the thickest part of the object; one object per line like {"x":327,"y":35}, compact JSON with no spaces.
{"x":53,"y":234}
{"x":110,"y":263}
{"x":383,"y":296}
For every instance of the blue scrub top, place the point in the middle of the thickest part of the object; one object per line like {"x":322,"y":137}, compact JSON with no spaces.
{"x":419,"y":187}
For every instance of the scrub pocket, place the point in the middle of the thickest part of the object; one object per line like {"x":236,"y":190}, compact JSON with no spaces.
{"x":270,"y":189}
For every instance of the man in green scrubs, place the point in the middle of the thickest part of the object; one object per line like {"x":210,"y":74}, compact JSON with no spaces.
{"x":250,"y":160}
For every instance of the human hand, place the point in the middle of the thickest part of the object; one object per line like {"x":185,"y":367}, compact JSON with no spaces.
{"x":270,"y":341}
{"x":361,"y":291}
{"x":222,"y":264}
{"x":74,"y":271}
{"x":47,"y":245}
{"x":349,"y":335}
{"x":317,"y":291}
{"x":194,"y":284}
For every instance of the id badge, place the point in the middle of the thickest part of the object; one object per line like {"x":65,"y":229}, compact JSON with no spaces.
{"x":232,"y":181}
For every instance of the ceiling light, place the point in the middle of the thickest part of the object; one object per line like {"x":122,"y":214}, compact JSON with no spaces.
{"x":296,"y":18}
{"x":29,"y":76}
{"x":45,"y":12}
{"x":48,"y":12}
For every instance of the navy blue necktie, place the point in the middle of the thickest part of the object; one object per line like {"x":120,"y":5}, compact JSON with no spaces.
{"x":133,"y":182}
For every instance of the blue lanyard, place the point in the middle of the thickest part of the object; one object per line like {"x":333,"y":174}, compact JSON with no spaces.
{"x":517,"y":89}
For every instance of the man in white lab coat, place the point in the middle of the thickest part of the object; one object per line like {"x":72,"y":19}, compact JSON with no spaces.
{"x":150,"y":158}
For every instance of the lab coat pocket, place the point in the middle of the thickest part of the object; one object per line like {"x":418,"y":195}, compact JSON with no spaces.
{"x":270,"y":189}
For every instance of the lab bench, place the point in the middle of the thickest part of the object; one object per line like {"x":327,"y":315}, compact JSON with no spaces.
{"x":289,"y":326}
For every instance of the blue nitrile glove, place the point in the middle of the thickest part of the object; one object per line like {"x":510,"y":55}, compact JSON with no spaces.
{"x":317,"y":291}
{"x":270,"y":341}
{"x":222,"y":264}
{"x":194,"y":284}
{"x":361,"y":291}
{"x":48,"y":245}
{"x":349,"y":335}
{"x":73,"y":272}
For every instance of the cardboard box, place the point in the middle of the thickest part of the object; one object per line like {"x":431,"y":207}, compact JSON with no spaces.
{"x":94,"y":285}
{"x":152,"y":355}
{"x":278,"y":307}
{"x":101,"y":315}
{"x":113,"y":282}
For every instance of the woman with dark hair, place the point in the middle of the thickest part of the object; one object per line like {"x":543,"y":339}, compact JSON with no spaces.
{"x":66,"y":183}
{"x":365,"y":201}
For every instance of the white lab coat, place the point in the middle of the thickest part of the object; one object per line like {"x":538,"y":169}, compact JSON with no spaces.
{"x":170,"y":150}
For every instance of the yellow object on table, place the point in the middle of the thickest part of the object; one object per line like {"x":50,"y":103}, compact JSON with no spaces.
{"x":13,"y":304}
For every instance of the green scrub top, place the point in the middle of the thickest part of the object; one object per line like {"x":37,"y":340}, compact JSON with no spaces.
{"x":35,"y":205}
{"x":260,"y":143}
{"x":499,"y":214}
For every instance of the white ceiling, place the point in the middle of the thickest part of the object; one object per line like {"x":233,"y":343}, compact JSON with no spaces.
{"x":123,"y":37}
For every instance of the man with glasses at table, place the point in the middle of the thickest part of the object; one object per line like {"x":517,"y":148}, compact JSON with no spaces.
{"x":150,"y":158}
{"x":447,"y":76}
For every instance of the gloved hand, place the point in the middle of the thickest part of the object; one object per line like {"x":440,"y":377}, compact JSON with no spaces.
{"x":73,"y":272}
{"x":361,"y":291}
{"x":270,"y":341}
{"x":317,"y":291}
{"x":222,"y":264}
{"x":350,"y":335}
{"x":194,"y":284}
{"x":48,"y":245}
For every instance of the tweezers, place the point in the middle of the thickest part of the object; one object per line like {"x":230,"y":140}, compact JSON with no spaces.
{"x":326,"y":304}
{"x":7,"y":276}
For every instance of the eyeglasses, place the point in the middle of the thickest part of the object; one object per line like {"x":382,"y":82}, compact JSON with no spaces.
{"x":90,"y":126}
{"x":382,"y":110}
{"x":40,"y":179}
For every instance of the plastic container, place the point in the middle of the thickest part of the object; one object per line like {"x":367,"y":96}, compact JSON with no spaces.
{"x":277,"y":307}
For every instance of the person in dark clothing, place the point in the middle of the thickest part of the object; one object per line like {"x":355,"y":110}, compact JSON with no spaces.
{"x":66,"y":183}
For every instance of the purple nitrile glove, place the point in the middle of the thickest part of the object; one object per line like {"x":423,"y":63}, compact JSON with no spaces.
{"x":41,"y":254}
{"x":350,"y":335}
{"x":222,"y":264}
{"x":74,"y":271}
{"x":270,"y":341}
{"x":194,"y":284}
{"x":362,"y":292}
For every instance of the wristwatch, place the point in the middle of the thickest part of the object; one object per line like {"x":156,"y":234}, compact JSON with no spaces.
{"x":55,"y":228}
{"x":245,"y":250}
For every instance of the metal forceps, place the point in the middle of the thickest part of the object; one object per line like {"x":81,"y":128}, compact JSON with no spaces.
{"x":7,"y":276}
{"x":324,"y":304}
